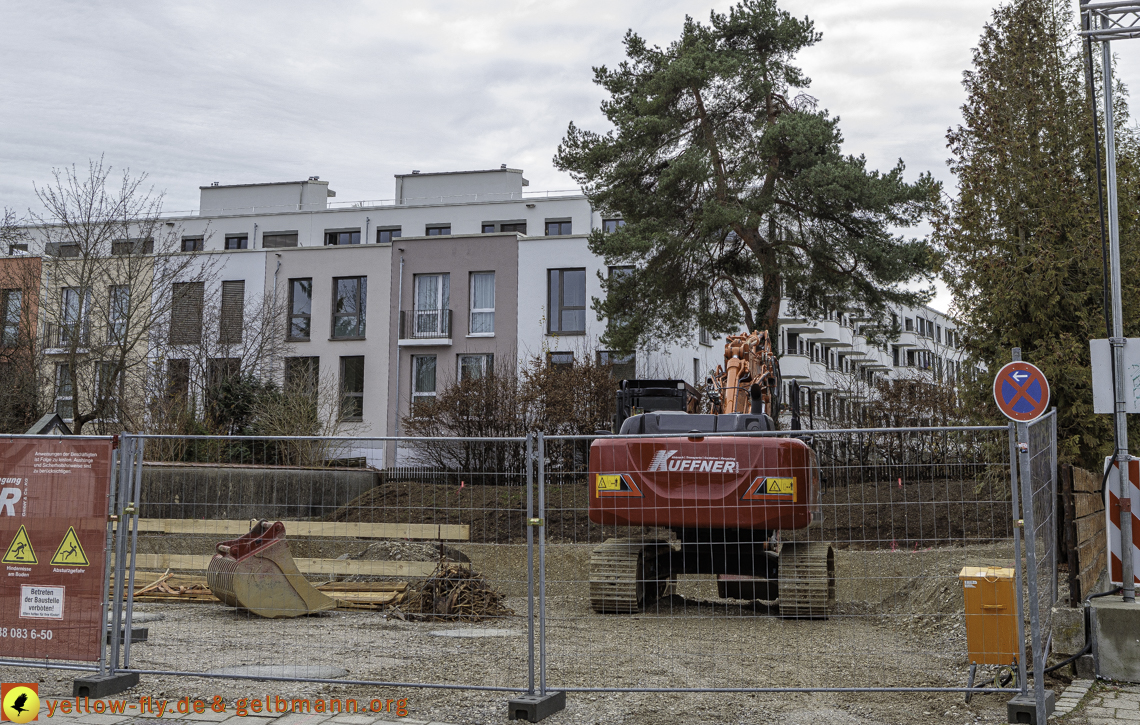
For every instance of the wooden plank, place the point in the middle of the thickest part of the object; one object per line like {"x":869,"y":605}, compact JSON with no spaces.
{"x":1090,"y":573}
{"x":364,"y":587}
{"x":321,"y":529}
{"x":307,"y":566}
{"x":367,"y":597}
{"x":1086,"y":481}
{"x":1087,"y":504}
{"x":1089,"y":528}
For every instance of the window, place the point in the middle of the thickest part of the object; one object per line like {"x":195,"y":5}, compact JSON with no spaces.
{"x":278,"y":240}
{"x":554,"y":228}
{"x":62,"y":249}
{"x":230,"y":319}
{"x":341,"y":237}
{"x":430,"y":308}
{"x":792,"y":347}
{"x":300,"y":309}
{"x":13,"y":248}
{"x":482,"y":303}
{"x":473,"y":367}
{"x":560,"y":359}
{"x":423,"y":379}
{"x":76,"y":316}
{"x":237,"y":241}
{"x":517,"y":226}
{"x":622,"y":367}
{"x":567,"y":301}
{"x":117,"y":313}
{"x":696,"y":372}
{"x":123,"y":247}
{"x":178,"y":379}
{"x":186,"y":313}
{"x":64,"y":392}
{"x":349,"y":305}
{"x":107,"y":391}
{"x":703,"y":336}
{"x":302,"y":375}
{"x":385,"y":236}
{"x":438,"y":231}
{"x":10,"y":300}
{"x":193,"y":244}
{"x":938,"y":334}
{"x":612,"y":225}
{"x":352,"y":387}
{"x":895,"y":355}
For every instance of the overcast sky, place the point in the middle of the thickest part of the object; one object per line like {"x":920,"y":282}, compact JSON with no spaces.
{"x":355,"y":92}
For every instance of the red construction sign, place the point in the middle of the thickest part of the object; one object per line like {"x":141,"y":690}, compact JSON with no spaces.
{"x":53,"y":527}
{"x":1021,"y":391}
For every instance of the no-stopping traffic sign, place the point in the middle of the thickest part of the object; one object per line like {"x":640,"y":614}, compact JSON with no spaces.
{"x":1021,"y":391}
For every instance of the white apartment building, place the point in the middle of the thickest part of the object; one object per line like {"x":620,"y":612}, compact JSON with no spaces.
{"x":392,"y":298}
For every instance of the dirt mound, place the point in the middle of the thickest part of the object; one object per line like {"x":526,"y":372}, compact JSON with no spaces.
{"x":870,"y":515}
{"x":495,"y":514}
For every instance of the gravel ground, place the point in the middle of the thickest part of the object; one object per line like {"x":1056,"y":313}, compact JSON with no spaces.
{"x":898,"y":623}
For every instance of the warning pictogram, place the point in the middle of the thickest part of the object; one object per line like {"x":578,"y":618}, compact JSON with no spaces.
{"x":20,"y":550}
{"x":616,"y":484}
{"x":766,"y":486}
{"x":70,"y":551}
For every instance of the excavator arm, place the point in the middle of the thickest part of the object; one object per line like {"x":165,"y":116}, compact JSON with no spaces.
{"x":749,"y":380}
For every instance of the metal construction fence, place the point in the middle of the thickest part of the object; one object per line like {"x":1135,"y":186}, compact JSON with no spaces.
{"x":513,"y":565}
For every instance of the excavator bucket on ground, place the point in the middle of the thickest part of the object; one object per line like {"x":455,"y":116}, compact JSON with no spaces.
{"x":256,"y":572}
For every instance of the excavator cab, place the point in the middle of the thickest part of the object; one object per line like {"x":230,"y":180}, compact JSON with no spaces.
{"x":636,"y":397}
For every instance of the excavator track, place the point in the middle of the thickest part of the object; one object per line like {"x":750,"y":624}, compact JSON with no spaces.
{"x":807,"y":580}
{"x":618,"y":581}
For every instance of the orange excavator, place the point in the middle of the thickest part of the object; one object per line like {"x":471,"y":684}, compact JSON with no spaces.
{"x":724,"y":496}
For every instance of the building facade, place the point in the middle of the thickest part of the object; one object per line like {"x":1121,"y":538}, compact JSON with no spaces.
{"x":380,"y":303}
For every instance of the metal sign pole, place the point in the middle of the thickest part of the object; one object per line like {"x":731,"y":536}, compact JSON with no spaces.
{"x":1120,"y":417}
{"x":1116,"y":19}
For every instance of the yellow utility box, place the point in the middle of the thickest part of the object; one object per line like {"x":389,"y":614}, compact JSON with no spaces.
{"x":991,"y":615}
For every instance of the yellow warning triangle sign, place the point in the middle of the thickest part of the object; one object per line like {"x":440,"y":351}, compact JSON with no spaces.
{"x":20,"y":550}
{"x":70,"y":551}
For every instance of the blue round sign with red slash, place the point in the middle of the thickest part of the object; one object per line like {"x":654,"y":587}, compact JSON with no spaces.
{"x":1021,"y":391}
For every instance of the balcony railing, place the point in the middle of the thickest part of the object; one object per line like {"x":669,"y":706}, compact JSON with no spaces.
{"x":67,"y":335}
{"x":425,"y":324}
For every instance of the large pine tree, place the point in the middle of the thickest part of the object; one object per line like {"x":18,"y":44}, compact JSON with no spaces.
{"x":1022,"y":239}
{"x":734,"y":191}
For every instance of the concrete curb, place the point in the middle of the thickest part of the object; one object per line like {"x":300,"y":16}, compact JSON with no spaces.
{"x":1072,"y":697}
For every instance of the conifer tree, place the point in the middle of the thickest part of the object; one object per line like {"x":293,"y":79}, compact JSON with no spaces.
{"x":734,"y":192}
{"x":1022,"y":239}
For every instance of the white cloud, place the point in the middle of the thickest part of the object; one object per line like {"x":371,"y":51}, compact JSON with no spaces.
{"x":355,"y":92}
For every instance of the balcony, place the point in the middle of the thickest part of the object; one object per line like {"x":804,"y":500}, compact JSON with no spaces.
{"x":908,"y":338}
{"x":61,"y":338}
{"x":425,"y":327}
{"x":794,"y":367}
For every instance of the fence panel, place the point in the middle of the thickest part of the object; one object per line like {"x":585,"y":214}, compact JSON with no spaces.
{"x":699,"y":562}
{"x":1037,"y":454}
{"x":416,"y":574}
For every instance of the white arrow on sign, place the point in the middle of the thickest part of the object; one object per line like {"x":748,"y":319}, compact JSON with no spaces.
{"x":1019,"y":376}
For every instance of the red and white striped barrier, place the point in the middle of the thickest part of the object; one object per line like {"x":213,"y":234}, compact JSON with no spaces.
{"x":1112,"y":518}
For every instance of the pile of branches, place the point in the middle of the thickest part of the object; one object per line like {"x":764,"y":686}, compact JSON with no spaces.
{"x":456,"y":593}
